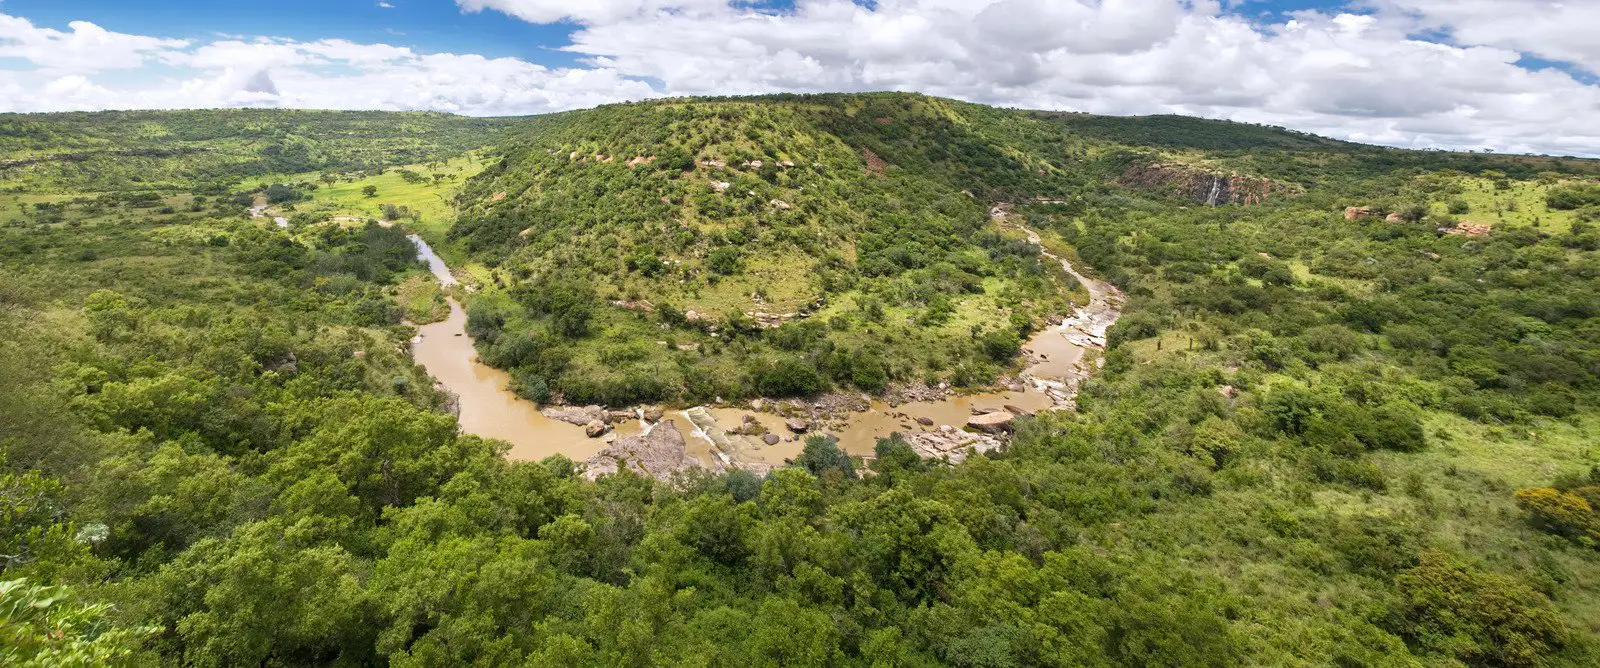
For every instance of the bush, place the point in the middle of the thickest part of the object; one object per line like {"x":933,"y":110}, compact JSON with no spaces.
{"x":822,"y":454}
{"x":1571,"y":197}
{"x":1566,"y":514}
{"x":279,"y":193}
{"x":1452,"y":608}
{"x":1001,"y":345}
{"x":1459,"y":206}
{"x":725,"y":261}
{"x":788,"y":377}
{"x":1393,"y":427}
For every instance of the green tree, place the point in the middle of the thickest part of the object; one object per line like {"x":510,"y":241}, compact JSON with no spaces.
{"x":44,"y":626}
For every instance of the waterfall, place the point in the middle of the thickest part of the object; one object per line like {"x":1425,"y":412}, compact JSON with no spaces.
{"x":1216,"y":190}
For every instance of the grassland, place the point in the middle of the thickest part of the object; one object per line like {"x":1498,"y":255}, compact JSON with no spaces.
{"x":1521,"y":204}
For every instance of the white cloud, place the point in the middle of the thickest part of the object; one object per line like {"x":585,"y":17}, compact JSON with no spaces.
{"x":1555,"y":30}
{"x":1360,"y":75}
{"x":85,"y":47}
{"x":385,"y":5}
{"x":589,"y":11}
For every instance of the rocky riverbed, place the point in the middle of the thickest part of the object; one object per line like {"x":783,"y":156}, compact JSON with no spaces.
{"x":763,"y":434}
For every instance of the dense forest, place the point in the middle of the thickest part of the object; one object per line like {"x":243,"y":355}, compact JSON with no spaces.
{"x":1349,"y":417}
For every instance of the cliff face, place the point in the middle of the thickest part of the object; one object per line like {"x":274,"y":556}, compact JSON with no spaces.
{"x":1201,"y":186}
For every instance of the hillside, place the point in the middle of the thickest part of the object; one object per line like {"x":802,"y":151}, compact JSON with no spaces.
{"x":1348,"y":415}
{"x":860,"y":255}
{"x":172,"y":150}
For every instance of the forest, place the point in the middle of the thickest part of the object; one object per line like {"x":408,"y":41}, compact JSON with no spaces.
{"x":1350,"y":416}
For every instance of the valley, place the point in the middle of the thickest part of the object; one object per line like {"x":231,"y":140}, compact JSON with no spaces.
{"x":851,"y":380}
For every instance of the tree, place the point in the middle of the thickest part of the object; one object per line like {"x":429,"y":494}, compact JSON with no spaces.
{"x":369,"y":190}
{"x":821,"y":454}
{"x":45,"y":626}
{"x":788,"y":377}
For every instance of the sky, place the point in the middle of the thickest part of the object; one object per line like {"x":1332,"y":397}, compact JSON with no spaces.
{"x":1517,"y":76}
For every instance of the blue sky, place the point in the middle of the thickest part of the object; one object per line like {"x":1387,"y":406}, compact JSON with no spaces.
{"x":427,"y":25}
{"x":1512,"y":75}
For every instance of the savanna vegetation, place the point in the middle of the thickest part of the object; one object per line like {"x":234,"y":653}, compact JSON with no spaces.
{"x":1315,"y":441}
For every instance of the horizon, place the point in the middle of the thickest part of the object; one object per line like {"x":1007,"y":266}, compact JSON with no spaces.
{"x":774,"y":95}
{"x":1512,"y":77}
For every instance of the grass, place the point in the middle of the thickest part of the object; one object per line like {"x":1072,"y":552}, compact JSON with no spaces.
{"x":429,"y":198}
{"x":421,"y":299}
{"x":1522,"y":204}
{"x":1303,"y":274}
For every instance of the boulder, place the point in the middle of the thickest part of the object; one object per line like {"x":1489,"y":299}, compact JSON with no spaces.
{"x":796,"y":426}
{"x":950,"y":443}
{"x":658,"y":454}
{"x":1354,"y":212}
{"x":1017,"y":411}
{"x":595,"y":429}
{"x":619,"y":416}
{"x":925,"y":421}
{"x":991,"y":423}
{"x":574,"y":415}
{"x":771,"y":439}
{"x":654,"y":414}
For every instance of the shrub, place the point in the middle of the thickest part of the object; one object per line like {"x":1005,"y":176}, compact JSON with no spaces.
{"x":1459,"y":206}
{"x":1562,"y":513}
{"x":822,"y":454}
{"x":725,"y":261}
{"x":1000,"y":345}
{"x":1571,"y":197}
{"x":1453,"y":608}
{"x":788,"y":377}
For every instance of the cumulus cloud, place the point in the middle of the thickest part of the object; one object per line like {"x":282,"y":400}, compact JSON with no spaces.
{"x":1360,"y":73}
{"x":1554,"y":30}
{"x":85,"y":47}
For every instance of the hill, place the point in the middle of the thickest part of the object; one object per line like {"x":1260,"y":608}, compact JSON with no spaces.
{"x":1348,"y":417}
{"x":722,"y":243}
{"x":173,"y":150}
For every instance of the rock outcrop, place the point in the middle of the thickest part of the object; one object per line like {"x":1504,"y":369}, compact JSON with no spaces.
{"x":992,"y":423}
{"x":1201,"y":186}
{"x":657,"y":454}
{"x":947,"y":441}
{"x":580,"y":416}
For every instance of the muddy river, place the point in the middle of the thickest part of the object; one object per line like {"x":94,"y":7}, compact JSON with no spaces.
{"x":488,"y":408}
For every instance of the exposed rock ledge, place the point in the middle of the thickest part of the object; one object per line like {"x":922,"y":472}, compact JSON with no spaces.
{"x":658,"y":454}
{"x":947,"y":441}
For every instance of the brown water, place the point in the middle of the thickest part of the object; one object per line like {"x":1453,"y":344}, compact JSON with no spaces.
{"x":488,"y":407}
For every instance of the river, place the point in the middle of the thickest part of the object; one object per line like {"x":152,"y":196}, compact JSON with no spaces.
{"x":489,"y":409}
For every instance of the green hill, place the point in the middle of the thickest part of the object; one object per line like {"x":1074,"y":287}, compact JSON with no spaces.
{"x":172,"y":150}
{"x":853,"y":228}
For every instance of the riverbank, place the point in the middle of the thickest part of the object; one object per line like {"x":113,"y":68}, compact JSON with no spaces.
{"x":764,"y":434}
